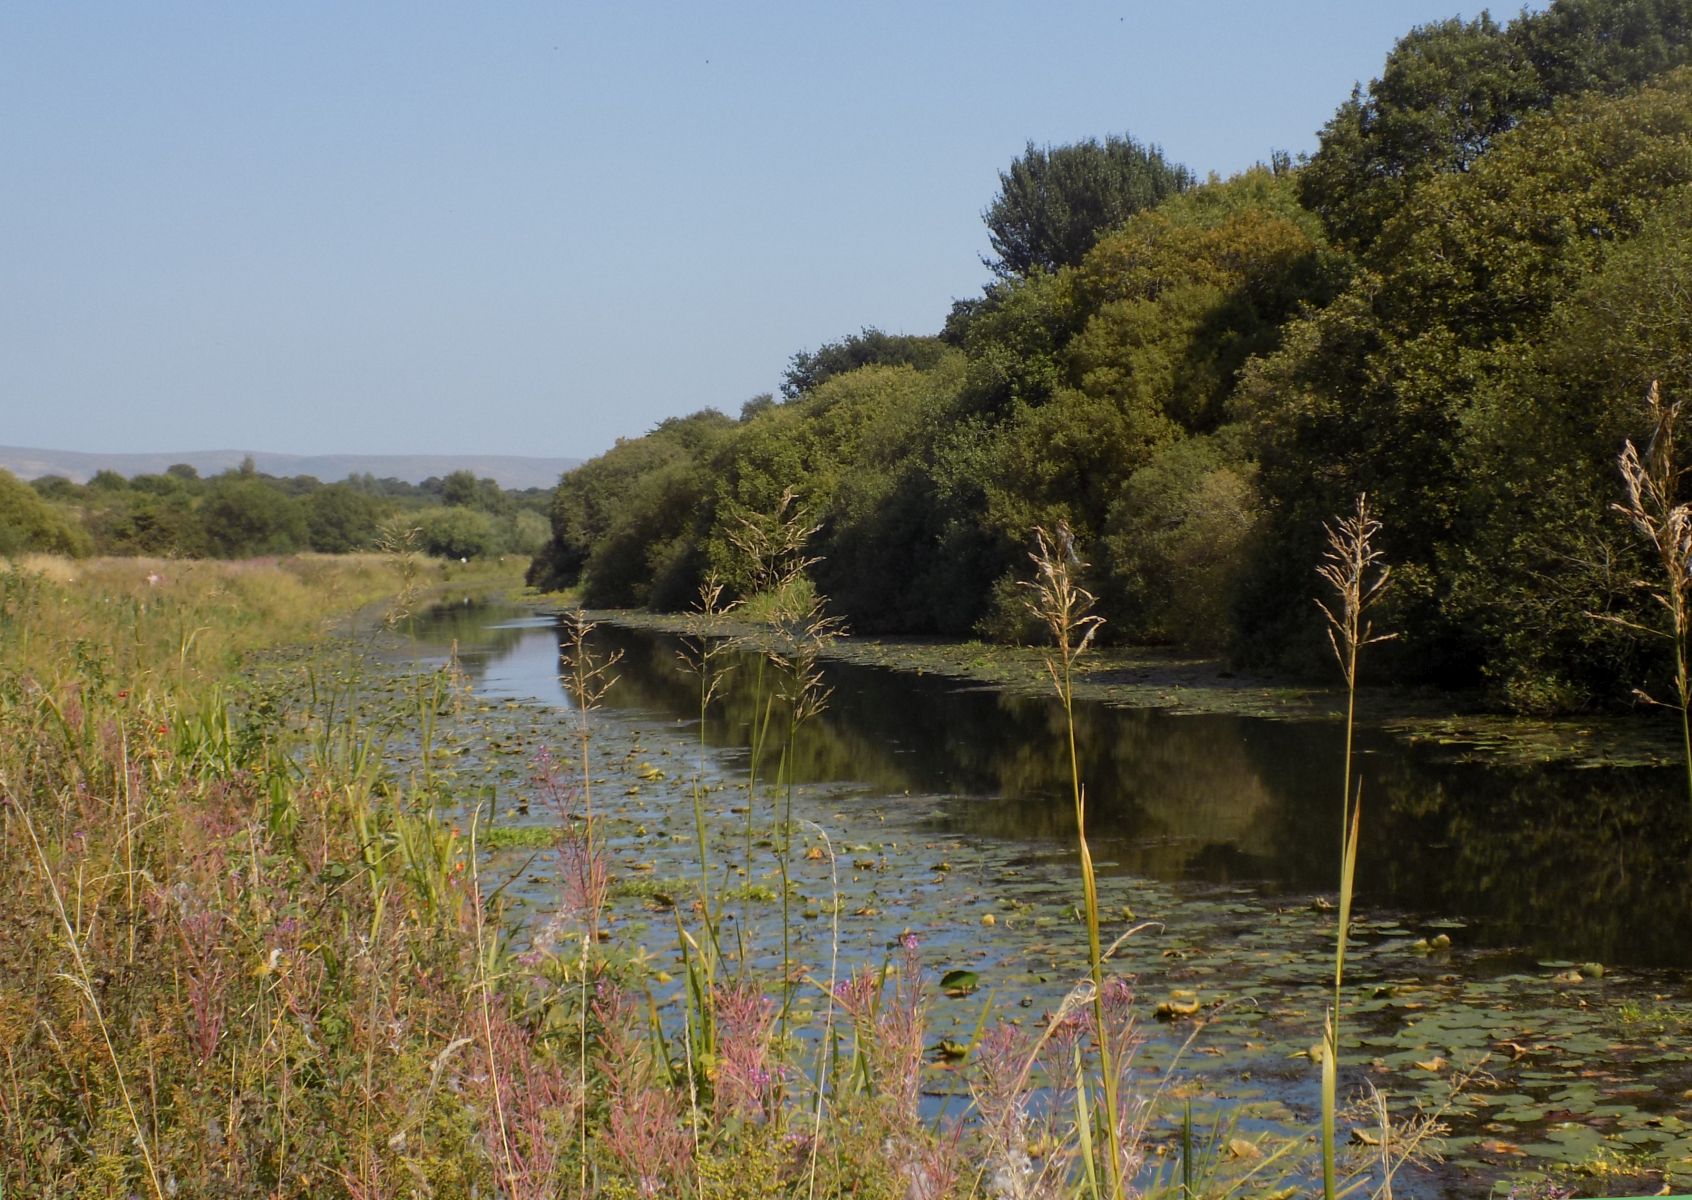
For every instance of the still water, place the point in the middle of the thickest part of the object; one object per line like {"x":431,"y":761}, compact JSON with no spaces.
{"x":1557,"y":862}
{"x":944,"y":809}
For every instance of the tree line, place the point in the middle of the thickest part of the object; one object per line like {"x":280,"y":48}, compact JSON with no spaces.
{"x":243,"y":512}
{"x":1456,"y":305}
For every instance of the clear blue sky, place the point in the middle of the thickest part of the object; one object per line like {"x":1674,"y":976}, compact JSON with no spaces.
{"x":534,"y":228}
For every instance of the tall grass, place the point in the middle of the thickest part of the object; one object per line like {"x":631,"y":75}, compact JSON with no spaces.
{"x":1065,"y":608}
{"x":227,"y":891}
{"x":773,"y":558}
{"x":1652,"y":484}
{"x":1353,"y":569}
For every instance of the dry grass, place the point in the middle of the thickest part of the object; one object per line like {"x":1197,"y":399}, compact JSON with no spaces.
{"x":1652,"y":484}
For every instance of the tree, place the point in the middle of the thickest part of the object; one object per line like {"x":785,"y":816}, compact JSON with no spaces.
{"x":55,"y":487}
{"x":460,"y":488}
{"x":589,"y":498}
{"x":1446,"y":91}
{"x":244,"y":516}
{"x":27,"y":522}
{"x":808,"y":369}
{"x":1055,"y":201}
{"x":1434,"y":384}
{"x":458,"y":533}
{"x":757,"y":406}
{"x":1449,"y":89}
{"x":340,"y":518}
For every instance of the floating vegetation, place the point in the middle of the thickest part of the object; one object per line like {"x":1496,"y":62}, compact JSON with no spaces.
{"x":1589,"y":1073}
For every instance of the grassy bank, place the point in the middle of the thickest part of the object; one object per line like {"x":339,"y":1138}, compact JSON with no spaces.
{"x":213,"y":978}
{"x":251,"y":949}
{"x":245,"y":954}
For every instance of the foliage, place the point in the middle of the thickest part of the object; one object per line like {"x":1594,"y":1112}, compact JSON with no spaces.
{"x":29,"y":523}
{"x":340,"y":518}
{"x":458,"y":533}
{"x":1177,"y":537}
{"x":245,"y":516}
{"x":244,"y":512}
{"x":1055,"y":201}
{"x":1467,"y":287}
{"x":594,"y":497}
{"x":1477,"y":358}
{"x":808,"y":369}
{"x":1449,"y":89}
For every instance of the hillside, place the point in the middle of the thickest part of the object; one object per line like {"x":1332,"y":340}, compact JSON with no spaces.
{"x":508,"y":470}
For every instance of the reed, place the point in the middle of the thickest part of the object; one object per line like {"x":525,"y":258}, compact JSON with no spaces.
{"x":1065,"y":608}
{"x":1651,"y":481}
{"x":589,"y":678}
{"x":1354,"y":570}
{"x":774,"y":560}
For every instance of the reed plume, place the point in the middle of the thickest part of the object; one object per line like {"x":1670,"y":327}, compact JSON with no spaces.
{"x":1652,"y":481}
{"x":1352,"y":566}
{"x":1066,"y":610}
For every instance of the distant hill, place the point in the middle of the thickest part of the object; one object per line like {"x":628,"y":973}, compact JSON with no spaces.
{"x":508,"y":470}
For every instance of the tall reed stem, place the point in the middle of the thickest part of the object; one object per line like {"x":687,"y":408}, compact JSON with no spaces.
{"x":590,"y":680}
{"x":1352,"y":567}
{"x":1652,"y":481}
{"x":1066,"y":610}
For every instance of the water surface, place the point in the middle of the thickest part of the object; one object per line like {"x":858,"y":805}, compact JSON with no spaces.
{"x":945,"y":810}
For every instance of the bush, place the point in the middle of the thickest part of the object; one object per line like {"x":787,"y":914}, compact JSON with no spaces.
{"x":458,"y":533}
{"x":27,"y":523}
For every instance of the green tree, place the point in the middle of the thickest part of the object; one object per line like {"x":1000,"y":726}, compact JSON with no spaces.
{"x":1449,"y":89}
{"x":29,"y":523}
{"x":1054,"y":202}
{"x":141,"y":522}
{"x":1542,"y":558}
{"x":1446,"y":91}
{"x":55,"y":487}
{"x":340,"y":518}
{"x":1177,"y":539}
{"x":459,"y":488}
{"x":244,"y":516}
{"x":589,"y":498}
{"x":809,"y":369}
{"x":458,"y":533}
{"x":1388,"y":389}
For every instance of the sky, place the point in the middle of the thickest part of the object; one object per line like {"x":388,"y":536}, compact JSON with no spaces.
{"x":524,"y":228}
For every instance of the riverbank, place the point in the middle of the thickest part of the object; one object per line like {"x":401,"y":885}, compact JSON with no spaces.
{"x":1160,"y":678}
{"x":258,"y":944}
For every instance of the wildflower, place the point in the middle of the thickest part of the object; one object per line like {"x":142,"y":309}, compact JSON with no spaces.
{"x":745,"y":1021}
{"x":1118,"y":996}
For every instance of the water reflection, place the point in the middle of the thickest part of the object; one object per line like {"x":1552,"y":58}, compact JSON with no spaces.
{"x":512,"y":653}
{"x":1565,"y":863}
